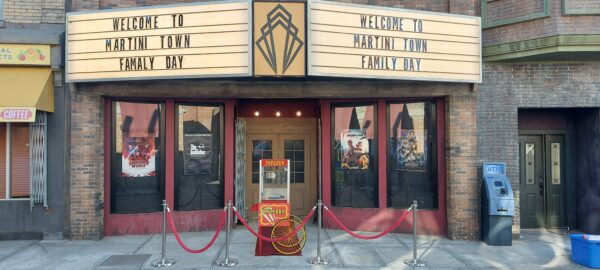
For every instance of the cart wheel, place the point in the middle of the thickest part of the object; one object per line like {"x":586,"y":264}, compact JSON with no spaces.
{"x":295,"y":243}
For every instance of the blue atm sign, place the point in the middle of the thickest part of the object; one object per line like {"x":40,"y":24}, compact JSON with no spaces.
{"x":493,"y":168}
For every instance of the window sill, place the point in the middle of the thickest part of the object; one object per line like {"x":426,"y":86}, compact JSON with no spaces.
{"x":14,"y":199}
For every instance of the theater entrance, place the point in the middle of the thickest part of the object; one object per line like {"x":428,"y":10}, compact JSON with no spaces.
{"x":283,"y":138}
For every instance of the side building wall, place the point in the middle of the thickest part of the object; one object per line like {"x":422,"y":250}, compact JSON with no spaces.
{"x":41,"y":22}
{"x":509,"y":87}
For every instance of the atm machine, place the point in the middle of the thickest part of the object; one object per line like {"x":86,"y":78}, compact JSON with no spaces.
{"x":497,"y":205}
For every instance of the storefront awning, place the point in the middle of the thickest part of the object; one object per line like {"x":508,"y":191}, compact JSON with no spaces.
{"x":23,"y":91}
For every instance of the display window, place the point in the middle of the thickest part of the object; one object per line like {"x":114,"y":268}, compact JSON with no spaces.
{"x":198,"y":157}
{"x":137,"y":169}
{"x":412,"y":155}
{"x":354,"y":155}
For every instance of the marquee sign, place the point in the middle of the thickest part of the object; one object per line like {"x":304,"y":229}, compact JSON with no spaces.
{"x":210,"y":39}
{"x":347,"y":40}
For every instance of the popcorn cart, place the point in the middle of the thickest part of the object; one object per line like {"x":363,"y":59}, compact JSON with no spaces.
{"x":274,"y":219}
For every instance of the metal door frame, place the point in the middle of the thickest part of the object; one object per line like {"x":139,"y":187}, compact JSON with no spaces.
{"x":567,"y":165}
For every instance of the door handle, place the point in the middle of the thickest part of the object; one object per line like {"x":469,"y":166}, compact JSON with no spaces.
{"x":541,"y":185}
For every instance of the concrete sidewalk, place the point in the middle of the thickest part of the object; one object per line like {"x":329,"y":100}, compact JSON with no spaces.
{"x":536,"y":250}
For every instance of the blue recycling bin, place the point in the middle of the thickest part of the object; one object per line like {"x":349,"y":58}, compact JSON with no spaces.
{"x":584,"y":251}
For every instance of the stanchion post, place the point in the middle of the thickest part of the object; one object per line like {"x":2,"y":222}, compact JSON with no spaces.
{"x":228,"y":262}
{"x":163,"y":262}
{"x":319,"y":260}
{"x":415,"y":262}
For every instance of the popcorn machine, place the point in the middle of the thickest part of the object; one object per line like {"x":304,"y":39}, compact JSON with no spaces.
{"x":274,"y":219}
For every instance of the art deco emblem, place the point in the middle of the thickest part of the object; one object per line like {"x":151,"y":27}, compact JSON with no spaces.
{"x":268,"y":44}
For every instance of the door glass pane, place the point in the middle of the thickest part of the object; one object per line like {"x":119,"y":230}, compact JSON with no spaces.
{"x":555,"y":163}
{"x":261,"y":149}
{"x":529,"y":163}
{"x":294,"y":151}
{"x":411,"y":146}
{"x":137,"y":183}
{"x":199,"y":158}
{"x":354,"y":164}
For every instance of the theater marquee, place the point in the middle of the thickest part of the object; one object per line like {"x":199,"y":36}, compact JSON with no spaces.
{"x":348,"y":40}
{"x":210,"y":39}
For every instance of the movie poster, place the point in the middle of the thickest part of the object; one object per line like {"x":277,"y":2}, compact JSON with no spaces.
{"x":355,"y":149}
{"x":198,"y":153}
{"x":411,"y":151}
{"x":139,"y":156}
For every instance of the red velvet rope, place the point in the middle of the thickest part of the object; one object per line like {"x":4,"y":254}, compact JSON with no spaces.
{"x":186,"y":248}
{"x":369,"y":237}
{"x":279,"y":239}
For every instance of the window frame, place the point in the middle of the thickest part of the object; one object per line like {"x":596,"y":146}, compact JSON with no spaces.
{"x":221,"y":161}
{"x":433,"y":145}
{"x":8,"y":153}
{"x":375,"y":163}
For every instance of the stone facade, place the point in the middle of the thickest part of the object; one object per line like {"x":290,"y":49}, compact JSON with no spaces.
{"x":34,"y":11}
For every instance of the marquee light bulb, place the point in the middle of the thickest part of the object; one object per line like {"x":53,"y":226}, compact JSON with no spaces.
{"x":256,"y":113}
{"x":277,"y":113}
{"x":298,"y":113}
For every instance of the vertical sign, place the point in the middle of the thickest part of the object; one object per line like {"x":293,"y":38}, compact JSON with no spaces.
{"x":210,"y":39}
{"x":388,"y":43}
{"x":279,"y":39}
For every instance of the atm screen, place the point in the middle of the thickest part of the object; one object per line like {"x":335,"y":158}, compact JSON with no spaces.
{"x":498,"y":183}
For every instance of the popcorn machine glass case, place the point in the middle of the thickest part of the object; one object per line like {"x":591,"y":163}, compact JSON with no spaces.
{"x":274,"y":191}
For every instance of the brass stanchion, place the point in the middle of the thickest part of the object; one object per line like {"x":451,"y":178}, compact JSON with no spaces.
{"x":414,"y":262}
{"x":163,"y":262}
{"x":228,"y":262}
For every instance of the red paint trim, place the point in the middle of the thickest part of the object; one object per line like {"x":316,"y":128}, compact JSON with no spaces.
{"x":382,"y":155}
{"x":170,"y":152}
{"x":287,"y":108}
{"x":325,"y":151}
{"x":441,"y":164}
{"x":107,"y":136}
{"x":229,"y":149}
{"x":431,"y":222}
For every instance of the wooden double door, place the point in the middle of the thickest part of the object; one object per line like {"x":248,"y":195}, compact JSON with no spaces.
{"x":542,"y":181}
{"x":283,"y":138}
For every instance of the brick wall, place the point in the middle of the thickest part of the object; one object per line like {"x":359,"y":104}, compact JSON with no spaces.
{"x":87,"y":167}
{"x":34,"y":11}
{"x":461,"y":168}
{"x":466,"y":7}
{"x":508,"y":87}
{"x":556,"y":24}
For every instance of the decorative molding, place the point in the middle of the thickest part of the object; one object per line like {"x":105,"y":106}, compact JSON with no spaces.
{"x":540,"y":46}
{"x":534,"y":16}
{"x":578,"y":11}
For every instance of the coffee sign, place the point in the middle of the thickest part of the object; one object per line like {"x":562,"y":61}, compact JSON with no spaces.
{"x":17,"y":114}
{"x":387,"y":43}
{"x":210,"y":39}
